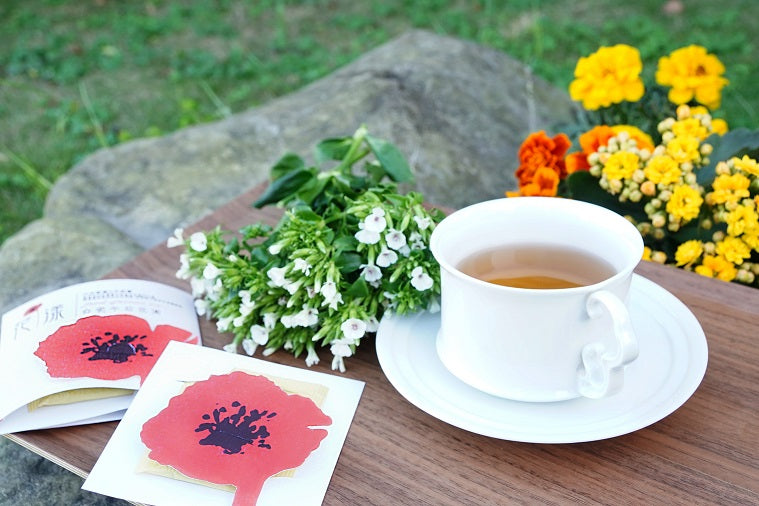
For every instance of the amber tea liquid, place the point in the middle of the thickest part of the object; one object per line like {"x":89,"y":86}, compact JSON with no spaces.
{"x":536,"y":266}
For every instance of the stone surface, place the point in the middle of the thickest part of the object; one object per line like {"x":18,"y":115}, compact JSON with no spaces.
{"x":458,"y":112}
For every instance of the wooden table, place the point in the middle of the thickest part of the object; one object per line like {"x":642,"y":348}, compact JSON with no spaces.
{"x":706,"y":452}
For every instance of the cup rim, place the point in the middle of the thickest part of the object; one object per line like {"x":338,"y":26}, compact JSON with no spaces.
{"x":551,"y":201}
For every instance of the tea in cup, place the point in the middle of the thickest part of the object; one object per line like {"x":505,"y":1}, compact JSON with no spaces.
{"x":534,"y":297}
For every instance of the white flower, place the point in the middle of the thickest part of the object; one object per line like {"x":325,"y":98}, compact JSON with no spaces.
{"x":310,"y":292}
{"x":249,"y":346}
{"x":367,"y":236}
{"x":337,"y":363}
{"x":330,"y":294}
{"x":268,"y":351}
{"x":201,"y":307}
{"x":198,"y":286}
{"x":222,"y":324}
{"x":341,"y":348}
{"x":246,"y":305}
{"x":211,"y":271}
{"x":277,"y":275}
{"x":289,"y":321}
{"x":230,"y":348}
{"x":405,"y":250}
{"x":274,"y":249}
{"x":198,"y":241}
{"x":184,"y":267}
{"x":308,"y":316}
{"x":371,"y":273}
{"x":420,"y":279}
{"x":423,"y":222}
{"x":387,"y":257}
{"x":372,"y":324}
{"x":232,"y":258}
{"x":312,"y":358}
{"x":213,"y":290}
{"x":375,"y":222}
{"x":353,"y":329}
{"x":395,"y":239}
{"x":259,"y":334}
{"x":239,"y":321}
{"x":176,"y":239}
{"x":416,"y":240}
{"x":270,"y":319}
{"x":292,"y":286}
{"x":302,"y":266}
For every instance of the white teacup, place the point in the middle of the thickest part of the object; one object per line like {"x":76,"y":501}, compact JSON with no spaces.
{"x":537,"y":344}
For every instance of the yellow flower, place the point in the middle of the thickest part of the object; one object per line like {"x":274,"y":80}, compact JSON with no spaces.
{"x":690,"y":127}
{"x":729,"y":188}
{"x":742,"y":220}
{"x":621,"y":165}
{"x":662,"y":169}
{"x":685,"y":203}
{"x":692,"y":73}
{"x":642,"y":139}
{"x":746,"y":164}
{"x":715,"y":266}
{"x":609,"y":76}
{"x":719,"y":126}
{"x":733,"y":250}
{"x":684,"y":149}
{"x":688,"y":252}
{"x":646,"y":254}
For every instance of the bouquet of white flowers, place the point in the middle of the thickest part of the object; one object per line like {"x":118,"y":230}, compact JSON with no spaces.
{"x":348,"y":248}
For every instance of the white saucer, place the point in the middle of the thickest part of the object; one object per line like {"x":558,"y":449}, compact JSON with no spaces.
{"x":671,"y":365}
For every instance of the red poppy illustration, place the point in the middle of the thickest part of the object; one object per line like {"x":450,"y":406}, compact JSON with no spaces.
{"x":235,"y":429}
{"x":108,"y":347}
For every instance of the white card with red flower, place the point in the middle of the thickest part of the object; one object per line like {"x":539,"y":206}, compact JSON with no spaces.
{"x":76,"y":355}
{"x":216,"y":428}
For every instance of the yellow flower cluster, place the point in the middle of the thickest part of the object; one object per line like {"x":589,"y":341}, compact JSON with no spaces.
{"x":692,"y":74}
{"x":609,"y":76}
{"x":727,"y":256}
{"x":664,"y":178}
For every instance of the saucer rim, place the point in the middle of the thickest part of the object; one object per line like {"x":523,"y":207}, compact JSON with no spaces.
{"x":682,"y":388}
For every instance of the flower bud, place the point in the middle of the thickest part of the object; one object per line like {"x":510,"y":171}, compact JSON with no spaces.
{"x":706,"y":149}
{"x":635,"y":196}
{"x":706,"y":224}
{"x":644,"y":228}
{"x":659,"y":257}
{"x":745,"y":276}
{"x":722,"y":168}
{"x":659,"y":234}
{"x":648,"y":188}
{"x":667,"y":137}
{"x":658,"y":220}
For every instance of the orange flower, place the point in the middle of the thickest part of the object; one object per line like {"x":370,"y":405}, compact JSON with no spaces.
{"x":590,"y":141}
{"x":544,"y":184}
{"x":540,"y":151}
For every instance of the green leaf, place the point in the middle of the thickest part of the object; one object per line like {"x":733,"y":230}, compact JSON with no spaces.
{"x":332,"y":149}
{"x":348,"y":262}
{"x":738,"y":142}
{"x":392,"y":160}
{"x":288,"y":163}
{"x":284,"y":187}
{"x":358,"y":289}
{"x":345,"y":243}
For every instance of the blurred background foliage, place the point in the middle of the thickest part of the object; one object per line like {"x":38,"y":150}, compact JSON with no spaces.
{"x":76,"y":76}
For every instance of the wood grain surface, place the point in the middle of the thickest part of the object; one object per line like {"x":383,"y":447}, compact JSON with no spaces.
{"x":706,"y":452}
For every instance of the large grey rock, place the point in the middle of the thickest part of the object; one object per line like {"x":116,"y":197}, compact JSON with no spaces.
{"x":458,"y":111}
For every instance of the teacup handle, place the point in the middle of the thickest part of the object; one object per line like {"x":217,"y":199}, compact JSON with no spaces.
{"x":602,"y":373}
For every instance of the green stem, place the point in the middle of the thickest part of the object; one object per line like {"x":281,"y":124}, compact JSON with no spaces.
{"x":99,"y":132}
{"x":32,"y":173}
{"x":350,"y":157}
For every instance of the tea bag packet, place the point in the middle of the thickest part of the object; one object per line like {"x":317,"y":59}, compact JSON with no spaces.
{"x":235,"y":435}
{"x":81,"y":352}
{"x":212,"y":427}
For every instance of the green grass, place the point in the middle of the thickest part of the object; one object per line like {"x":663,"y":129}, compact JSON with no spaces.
{"x":76,"y":76}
